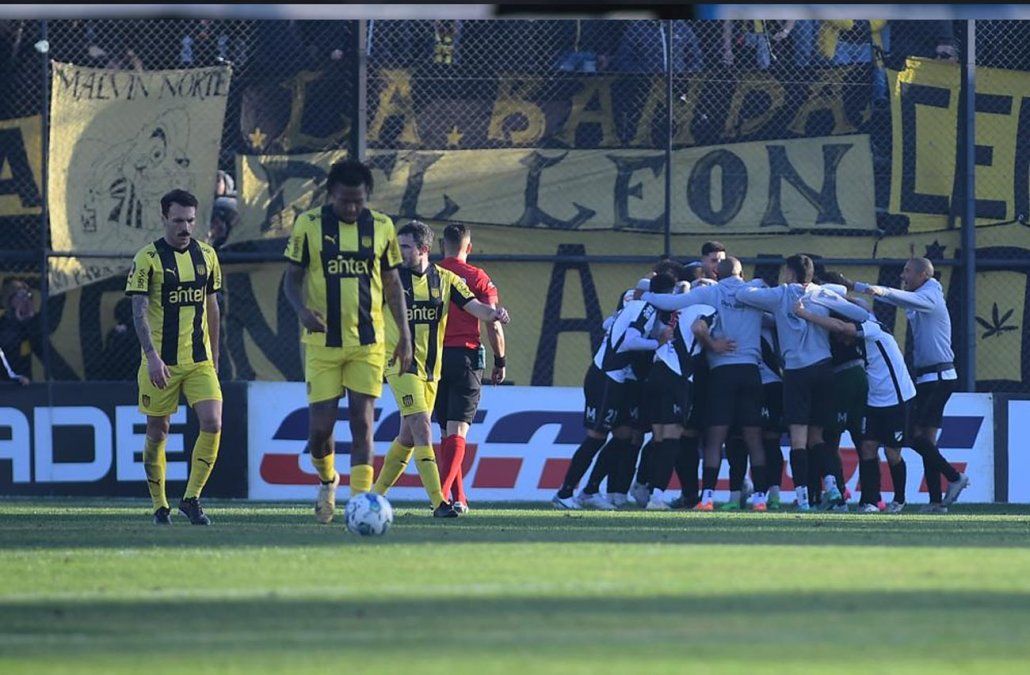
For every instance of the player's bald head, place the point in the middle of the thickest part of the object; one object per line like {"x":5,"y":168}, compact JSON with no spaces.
{"x":916,"y":272}
{"x":922,"y":266}
{"x":728,"y":267}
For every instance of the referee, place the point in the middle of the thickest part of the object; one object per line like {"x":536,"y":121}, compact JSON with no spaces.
{"x":464,"y":360}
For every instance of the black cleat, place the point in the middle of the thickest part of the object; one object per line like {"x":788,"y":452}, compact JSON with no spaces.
{"x":445,"y":510}
{"x":163,"y":516}
{"x":191,"y":509}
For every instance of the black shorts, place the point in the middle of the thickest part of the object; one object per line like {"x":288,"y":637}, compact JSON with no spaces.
{"x":808,"y":394}
{"x":461,"y":381}
{"x":772,"y":407}
{"x":698,"y":396}
{"x":931,"y":397}
{"x":734,"y":396}
{"x":886,"y":426}
{"x":666,"y":398}
{"x":608,"y":404}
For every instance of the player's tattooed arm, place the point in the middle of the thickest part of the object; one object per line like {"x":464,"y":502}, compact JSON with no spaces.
{"x":156,"y":368}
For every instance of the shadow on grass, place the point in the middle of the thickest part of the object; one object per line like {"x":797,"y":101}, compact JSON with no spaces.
{"x":241,"y":525}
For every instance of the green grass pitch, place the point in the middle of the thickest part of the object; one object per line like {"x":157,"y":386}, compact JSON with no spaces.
{"x":92,"y":587}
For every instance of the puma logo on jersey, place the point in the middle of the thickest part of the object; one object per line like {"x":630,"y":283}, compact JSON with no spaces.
{"x":171,"y":271}
{"x":331,"y":240}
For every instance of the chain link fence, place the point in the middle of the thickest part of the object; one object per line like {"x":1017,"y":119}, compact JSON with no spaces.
{"x":579,"y":151}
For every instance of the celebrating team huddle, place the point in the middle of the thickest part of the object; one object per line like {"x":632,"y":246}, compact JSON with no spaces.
{"x":712,"y":365}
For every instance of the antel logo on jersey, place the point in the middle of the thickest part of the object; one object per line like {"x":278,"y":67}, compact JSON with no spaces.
{"x":424,"y":314}
{"x":186,"y":296}
{"x":30,"y":446}
{"x":350,"y":267}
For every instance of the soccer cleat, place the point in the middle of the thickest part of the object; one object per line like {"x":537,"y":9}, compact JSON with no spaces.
{"x":839,"y":507}
{"x":618,"y":499}
{"x":955,"y":489}
{"x":445,"y":510}
{"x":882,"y":505}
{"x":566,"y":503}
{"x":760,"y":507}
{"x":729,"y":506}
{"x":191,"y":509}
{"x":597,"y":501}
{"x":831,"y":499}
{"x":656,"y":503}
{"x":680,"y":503}
{"x":747,"y":488}
{"x":163,"y":516}
{"x":801,"y":499}
{"x":773,"y":503}
{"x":460,"y":507}
{"x":640,"y":494}
{"x":704,"y":506}
{"x":934,"y":508}
{"x":325,"y":502}
{"x":868,"y":508}
{"x":895,"y":507}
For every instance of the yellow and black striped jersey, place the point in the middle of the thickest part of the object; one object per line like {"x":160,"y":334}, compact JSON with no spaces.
{"x":344,"y":263}
{"x":177,"y":284}
{"x":428,"y":296}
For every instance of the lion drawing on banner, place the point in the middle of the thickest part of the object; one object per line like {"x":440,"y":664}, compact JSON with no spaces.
{"x":123,"y":183}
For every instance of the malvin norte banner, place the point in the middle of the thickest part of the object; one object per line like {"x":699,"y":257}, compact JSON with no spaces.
{"x":119,"y":140}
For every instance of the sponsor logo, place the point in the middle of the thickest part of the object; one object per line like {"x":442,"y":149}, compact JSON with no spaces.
{"x":423,"y":314}
{"x":171,"y":271}
{"x":331,"y":240}
{"x":185,"y":296}
{"x":347,"y":267}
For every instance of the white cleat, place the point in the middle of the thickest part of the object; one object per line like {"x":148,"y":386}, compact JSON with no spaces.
{"x":935,"y":509}
{"x":618,"y":499}
{"x":657,"y":502}
{"x":325,"y":503}
{"x":566,"y":503}
{"x":867,"y":508}
{"x":955,"y":489}
{"x":640,"y":494}
{"x":895,"y":507}
{"x":596,"y":501}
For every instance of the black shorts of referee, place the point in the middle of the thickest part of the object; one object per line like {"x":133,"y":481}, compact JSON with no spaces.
{"x":461,"y":382}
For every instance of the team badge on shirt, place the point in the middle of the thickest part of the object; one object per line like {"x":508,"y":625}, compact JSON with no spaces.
{"x":435,"y":292}
{"x":407,"y":400}
{"x":366,"y":241}
{"x":201,"y":270}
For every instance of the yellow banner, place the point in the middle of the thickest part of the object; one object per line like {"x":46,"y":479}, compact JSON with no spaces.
{"x":21,"y":159}
{"x":119,"y":140}
{"x":925,"y":107}
{"x":812,"y":184}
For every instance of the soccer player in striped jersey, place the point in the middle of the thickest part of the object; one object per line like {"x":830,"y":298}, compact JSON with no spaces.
{"x":343,"y":270}
{"x":172,"y":284}
{"x":431,"y":291}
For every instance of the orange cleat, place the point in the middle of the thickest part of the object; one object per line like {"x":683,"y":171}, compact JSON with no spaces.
{"x":704,"y":506}
{"x":759,"y":507}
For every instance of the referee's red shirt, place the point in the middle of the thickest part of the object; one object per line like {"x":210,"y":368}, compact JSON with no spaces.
{"x":462,"y":327}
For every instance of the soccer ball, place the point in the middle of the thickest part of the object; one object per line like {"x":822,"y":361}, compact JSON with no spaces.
{"x":369,"y":514}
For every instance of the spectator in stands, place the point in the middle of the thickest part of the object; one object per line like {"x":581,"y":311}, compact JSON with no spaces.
{"x":126,"y":59}
{"x":844,"y":42}
{"x":224,"y":217}
{"x":446,"y":42}
{"x":326,"y":43}
{"x":796,"y":36}
{"x":642,"y":48}
{"x":927,"y":39}
{"x":206,"y":44}
{"x":586,"y":45}
{"x":746,"y":44}
{"x":121,"y":355}
{"x":19,"y":328}
{"x":225,"y":186}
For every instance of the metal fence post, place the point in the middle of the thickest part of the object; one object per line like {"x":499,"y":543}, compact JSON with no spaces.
{"x":360,"y":110}
{"x":969,"y":211}
{"x":44,"y":219}
{"x":667,"y":244}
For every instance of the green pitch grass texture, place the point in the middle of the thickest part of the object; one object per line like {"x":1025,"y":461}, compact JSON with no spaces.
{"x":94,"y":587}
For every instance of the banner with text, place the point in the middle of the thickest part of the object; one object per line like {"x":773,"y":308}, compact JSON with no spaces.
{"x":119,"y":140}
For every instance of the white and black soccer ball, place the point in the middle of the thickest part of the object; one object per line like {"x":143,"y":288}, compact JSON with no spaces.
{"x":369,"y":514}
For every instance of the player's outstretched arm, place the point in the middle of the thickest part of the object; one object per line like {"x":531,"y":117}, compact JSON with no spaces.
{"x":486,"y":312}
{"x":157,"y":371}
{"x":829,"y":323}
{"x":399,"y":308}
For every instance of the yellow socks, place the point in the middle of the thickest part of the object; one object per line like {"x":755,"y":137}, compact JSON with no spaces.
{"x":425,"y":462}
{"x":155,"y":464}
{"x":394,"y":463}
{"x":360,"y":478}
{"x":325,"y":466}
{"x":205,"y":451}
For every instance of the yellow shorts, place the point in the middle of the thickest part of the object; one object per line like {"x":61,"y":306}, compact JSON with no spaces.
{"x":413,"y":394}
{"x":330,"y":370}
{"x":198,"y":381}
